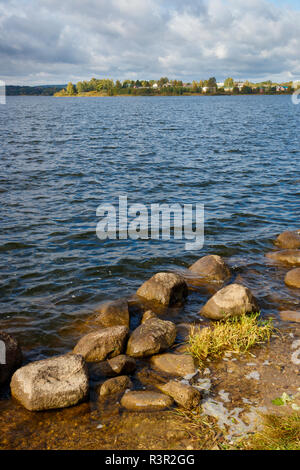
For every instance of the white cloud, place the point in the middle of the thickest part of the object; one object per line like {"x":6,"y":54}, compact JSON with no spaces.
{"x":54,"y":40}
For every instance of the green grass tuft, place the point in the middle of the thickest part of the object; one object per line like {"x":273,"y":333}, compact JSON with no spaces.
{"x":236,"y":334}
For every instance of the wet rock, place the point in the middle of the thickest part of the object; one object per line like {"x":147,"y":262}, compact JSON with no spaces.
{"x":183,"y":394}
{"x":211,"y":267}
{"x":289,"y":315}
{"x":115,"y":386}
{"x":289,"y":240}
{"x":292,"y":279}
{"x":151,"y":337}
{"x":58,"y":382}
{"x":146,"y":401}
{"x":165,"y":288}
{"x":113,"y":313}
{"x":119,"y":365}
{"x":285,"y":256}
{"x":10,"y":356}
{"x":102,"y":344}
{"x":150,"y":377}
{"x":232,"y":300}
{"x":147,"y":315}
{"x":174,"y":364}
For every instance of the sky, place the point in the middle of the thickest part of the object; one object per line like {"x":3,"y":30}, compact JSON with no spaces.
{"x":56,"y":41}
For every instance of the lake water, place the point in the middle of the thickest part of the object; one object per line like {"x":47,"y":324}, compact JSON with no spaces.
{"x":61,"y":158}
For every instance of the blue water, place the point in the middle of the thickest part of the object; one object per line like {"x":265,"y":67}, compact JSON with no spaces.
{"x":62,"y":157}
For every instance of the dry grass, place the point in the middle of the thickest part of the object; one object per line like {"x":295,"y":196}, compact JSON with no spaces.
{"x":278,"y":433}
{"x":237,"y":334}
{"x":203,"y":431}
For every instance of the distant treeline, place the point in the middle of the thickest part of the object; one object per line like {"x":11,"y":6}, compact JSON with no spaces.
{"x":164,"y":86}
{"x":12,"y":90}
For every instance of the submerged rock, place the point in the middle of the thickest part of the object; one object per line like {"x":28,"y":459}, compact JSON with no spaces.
{"x":183,"y":394}
{"x":150,"y":377}
{"x":289,"y":315}
{"x":113,"y":313}
{"x":288,"y":240}
{"x":119,"y":365}
{"x":115,"y":386}
{"x":102,"y":344}
{"x":58,"y":382}
{"x":146,"y":401}
{"x":151,"y":337}
{"x":165,"y":288}
{"x":211,"y":267}
{"x":10,"y":356}
{"x":285,"y":256}
{"x":174,"y":364}
{"x":292,"y":279}
{"x":232,"y":300}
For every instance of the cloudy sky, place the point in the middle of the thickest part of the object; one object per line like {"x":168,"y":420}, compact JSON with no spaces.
{"x":54,"y":41}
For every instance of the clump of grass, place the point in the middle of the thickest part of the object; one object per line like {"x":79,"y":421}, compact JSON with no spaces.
{"x":202,"y":430}
{"x":278,"y":433}
{"x":236,"y":334}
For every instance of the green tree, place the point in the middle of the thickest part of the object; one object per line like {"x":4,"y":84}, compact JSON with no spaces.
{"x":229,"y":83}
{"x":71,"y":90}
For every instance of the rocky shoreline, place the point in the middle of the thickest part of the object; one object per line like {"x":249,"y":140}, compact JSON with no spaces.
{"x":142,"y":369}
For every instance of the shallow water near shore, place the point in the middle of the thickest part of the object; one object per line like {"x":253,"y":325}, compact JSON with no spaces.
{"x":61,"y":158}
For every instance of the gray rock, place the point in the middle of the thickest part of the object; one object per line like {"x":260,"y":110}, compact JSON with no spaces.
{"x":113,"y":313}
{"x":288,"y":240}
{"x":292,"y":279}
{"x":185,"y":395}
{"x":233,"y":300}
{"x":119,"y":365}
{"x":115,"y":386}
{"x":10,"y":356}
{"x":174,"y":364}
{"x":146,"y":401}
{"x":285,"y":256}
{"x":211,"y":268}
{"x":165,"y":288}
{"x":53,"y":383}
{"x":102,"y":344}
{"x":151,"y":337}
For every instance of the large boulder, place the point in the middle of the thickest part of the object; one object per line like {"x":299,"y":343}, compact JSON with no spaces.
{"x":115,"y":386}
{"x":211,"y":268}
{"x":183,"y":394}
{"x":232,"y":300}
{"x":113,"y":313}
{"x":165,"y":288}
{"x":288,"y":240}
{"x":146,"y":401}
{"x":10,"y":356}
{"x":151,"y":337}
{"x":292,"y":279}
{"x":102,"y":344}
{"x":285,"y":256}
{"x":58,"y":382}
{"x":174,"y":364}
{"x":119,"y":365}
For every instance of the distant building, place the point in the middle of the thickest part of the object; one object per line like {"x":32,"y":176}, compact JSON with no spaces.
{"x":155,"y":85}
{"x":296,"y":84}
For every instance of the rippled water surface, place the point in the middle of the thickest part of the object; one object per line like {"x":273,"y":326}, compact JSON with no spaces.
{"x":61,"y":158}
